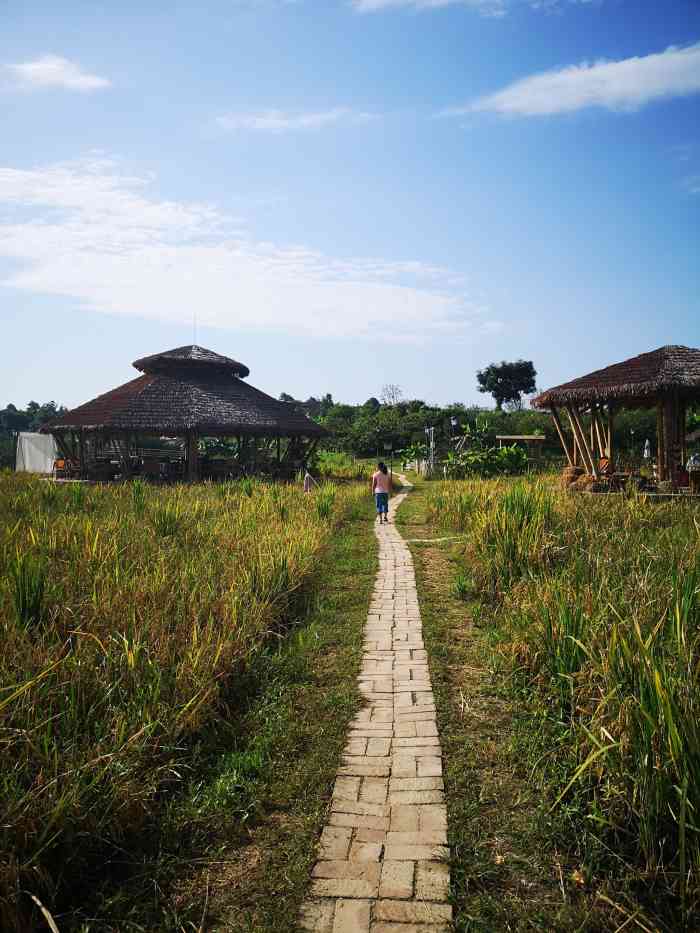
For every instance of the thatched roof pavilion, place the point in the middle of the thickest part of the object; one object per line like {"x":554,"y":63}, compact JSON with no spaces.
{"x":667,"y":379}
{"x":188,"y":392}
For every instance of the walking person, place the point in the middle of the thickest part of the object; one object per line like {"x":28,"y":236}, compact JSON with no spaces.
{"x":381,"y":486}
{"x":309,"y":481}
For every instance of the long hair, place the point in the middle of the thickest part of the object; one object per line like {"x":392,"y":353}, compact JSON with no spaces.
{"x":382,"y":467}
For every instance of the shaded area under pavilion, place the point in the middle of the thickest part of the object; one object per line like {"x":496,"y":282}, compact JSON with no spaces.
{"x":667,"y":379}
{"x":183,"y":396}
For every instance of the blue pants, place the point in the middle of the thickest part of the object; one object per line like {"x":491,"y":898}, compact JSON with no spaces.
{"x":382,"y":502}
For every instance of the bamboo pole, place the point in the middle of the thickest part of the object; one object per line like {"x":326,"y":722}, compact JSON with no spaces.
{"x":562,"y":438}
{"x":574,"y":418}
{"x":600,"y":433}
{"x":611,"y":417}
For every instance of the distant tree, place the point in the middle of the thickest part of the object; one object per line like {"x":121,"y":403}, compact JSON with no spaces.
{"x":507,"y":382}
{"x":326,"y":404}
{"x":312,"y":407}
{"x":44,"y":413}
{"x":391,"y":394}
{"x":414,"y":405}
{"x":12,"y":420}
{"x":286,"y":397}
{"x":372,"y":405}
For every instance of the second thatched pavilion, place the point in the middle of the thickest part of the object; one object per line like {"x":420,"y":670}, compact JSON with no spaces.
{"x":185,"y":395}
{"x":667,"y":379}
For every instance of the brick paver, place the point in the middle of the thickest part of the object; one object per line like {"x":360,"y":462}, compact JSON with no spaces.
{"x":382,"y":856}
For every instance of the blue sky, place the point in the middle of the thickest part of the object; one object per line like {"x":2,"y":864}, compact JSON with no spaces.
{"x":346,"y":193}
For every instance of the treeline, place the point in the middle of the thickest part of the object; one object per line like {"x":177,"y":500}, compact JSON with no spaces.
{"x":363,"y":430}
{"x":13,"y":420}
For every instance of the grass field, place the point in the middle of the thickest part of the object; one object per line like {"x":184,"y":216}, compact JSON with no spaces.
{"x":564,"y":631}
{"x":153,"y":641}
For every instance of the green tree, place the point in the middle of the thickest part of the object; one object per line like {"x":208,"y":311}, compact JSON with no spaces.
{"x":507,"y":382}
{"x":11,"y":420}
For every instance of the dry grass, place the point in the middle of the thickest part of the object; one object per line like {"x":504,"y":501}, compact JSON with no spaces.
{"x":592,"y":605}
{"x":131,"y":617}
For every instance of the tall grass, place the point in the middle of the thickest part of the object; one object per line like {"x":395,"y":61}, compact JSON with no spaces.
{"x":595,"y":603}
{"x":128,"y":617}
{"x":338,"y":465}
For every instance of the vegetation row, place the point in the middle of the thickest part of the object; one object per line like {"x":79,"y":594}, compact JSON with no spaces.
{"x":129,"y":616}
{"x":594,"y":609}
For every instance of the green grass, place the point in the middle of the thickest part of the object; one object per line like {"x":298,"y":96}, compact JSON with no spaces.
{"x":141,"y":626}
{"x":250,"y":821}
{"x":567,"y":695}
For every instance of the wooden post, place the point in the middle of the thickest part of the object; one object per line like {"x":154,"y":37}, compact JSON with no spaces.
{"x":611,"y":416}
{"x":562,"y":437}
{"x":681,"y":433}
{"x":671,"y":438}
{"x":192,"y":457}
{"x":279,"y":451}
{"x":588,"y":463}
{"x":660,"y":443}
{"x":81,"y":454}
{"x":599,"y":431}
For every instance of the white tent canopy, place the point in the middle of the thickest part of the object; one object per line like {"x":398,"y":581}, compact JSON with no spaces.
{"x":35,"y":453}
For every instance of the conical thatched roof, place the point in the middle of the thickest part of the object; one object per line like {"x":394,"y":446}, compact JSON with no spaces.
{"x":189,"y":389}
{"x":636,"y":380}
{"x":190,"y":358}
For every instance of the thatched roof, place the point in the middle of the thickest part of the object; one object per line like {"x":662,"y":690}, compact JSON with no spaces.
{"x":637,"y":380}
{"x":190,"y":358}
{"x":186,"y":389}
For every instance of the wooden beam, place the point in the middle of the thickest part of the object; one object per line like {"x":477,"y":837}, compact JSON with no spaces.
{"x":562,"y":437}
{"x":311,"y":450}
{"x":63,"y":446}
{"x":681,"y":432}
{"x":600,"y":434}
{"x":660,"y":444}
{"x":81,"y":449}
{"x":192,"y":457}
{"x":671,"y":437}
{"x":575,"y":420}
{"x":611,"y":416}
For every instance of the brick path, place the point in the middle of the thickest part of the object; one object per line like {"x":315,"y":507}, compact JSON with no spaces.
{"x":381,"y":866}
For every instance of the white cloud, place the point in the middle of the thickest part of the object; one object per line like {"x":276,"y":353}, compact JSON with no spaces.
{"x":486,"y":7}
{"x":55,"y":71}
{"x":622,"y":85}
{"x":277,"y":121}
{"x":88,"y":232}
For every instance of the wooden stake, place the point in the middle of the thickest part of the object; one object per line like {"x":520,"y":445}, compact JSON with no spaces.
{"x":574,"y":418}
{"x":600,"y":434}
{"x":562,"y":438}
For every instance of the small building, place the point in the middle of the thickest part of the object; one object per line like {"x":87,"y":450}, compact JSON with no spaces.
{"x":667,"y":379}
{"x":183,"y":396}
